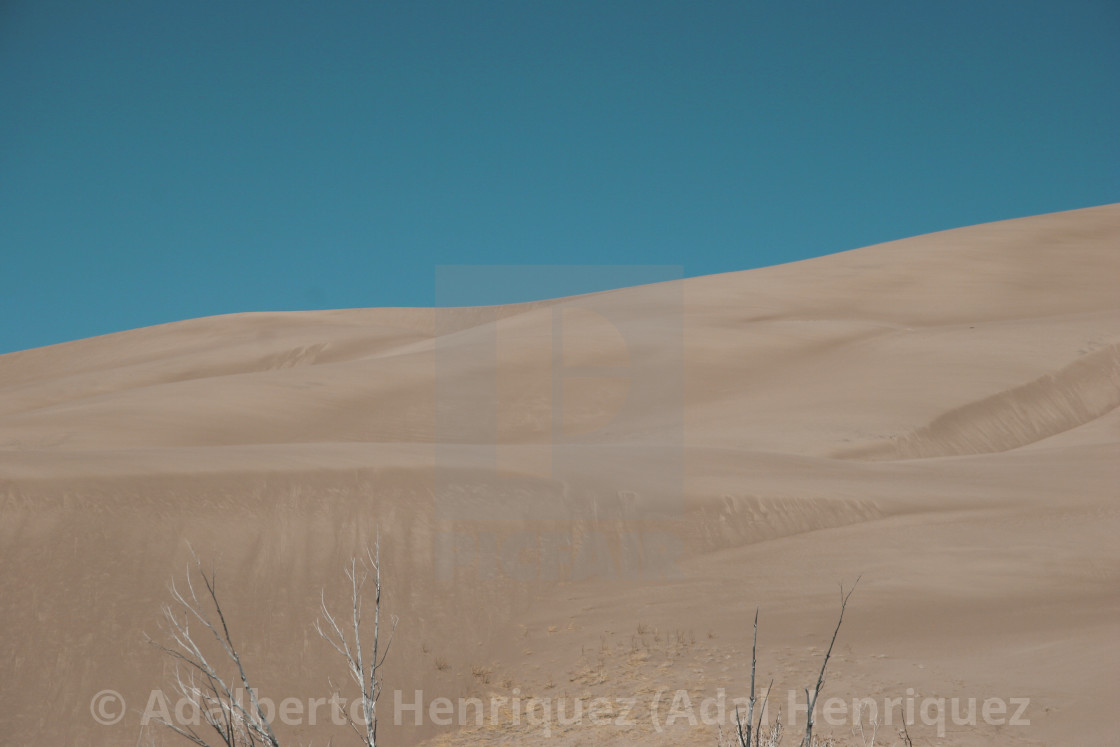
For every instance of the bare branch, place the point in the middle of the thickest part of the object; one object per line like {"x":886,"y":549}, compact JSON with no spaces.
{"x":754,"y":662}
{"x":203,"y":686}
{"x":365,"y":672}
{"x":811,"y":703}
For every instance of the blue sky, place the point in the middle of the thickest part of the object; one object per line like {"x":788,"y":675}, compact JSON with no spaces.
{"x":166,"y":160}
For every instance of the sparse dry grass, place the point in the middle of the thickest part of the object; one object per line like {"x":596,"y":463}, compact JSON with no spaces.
{"x":752,"y":734}
{"x":641,"y":662}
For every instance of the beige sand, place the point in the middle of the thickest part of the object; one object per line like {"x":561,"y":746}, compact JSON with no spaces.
{"x":938,"y":415}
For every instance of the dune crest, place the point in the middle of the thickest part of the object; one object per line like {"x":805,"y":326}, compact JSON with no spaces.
{"x":1083,"y":391}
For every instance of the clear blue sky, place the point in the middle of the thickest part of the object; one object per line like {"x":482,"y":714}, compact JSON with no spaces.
{"x":166,"y":160}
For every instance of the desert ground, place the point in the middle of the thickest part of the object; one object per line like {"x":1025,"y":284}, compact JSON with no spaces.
{"x":589,"y":497}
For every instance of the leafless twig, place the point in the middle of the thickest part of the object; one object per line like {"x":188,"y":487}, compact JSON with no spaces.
{"x":197,"y":676}
{"x":366,"y":673}
{"x":812,"y":702}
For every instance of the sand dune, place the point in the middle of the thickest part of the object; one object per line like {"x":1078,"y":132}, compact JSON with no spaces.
{"x":1086,"y":390}
{"x":938,"y":415}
